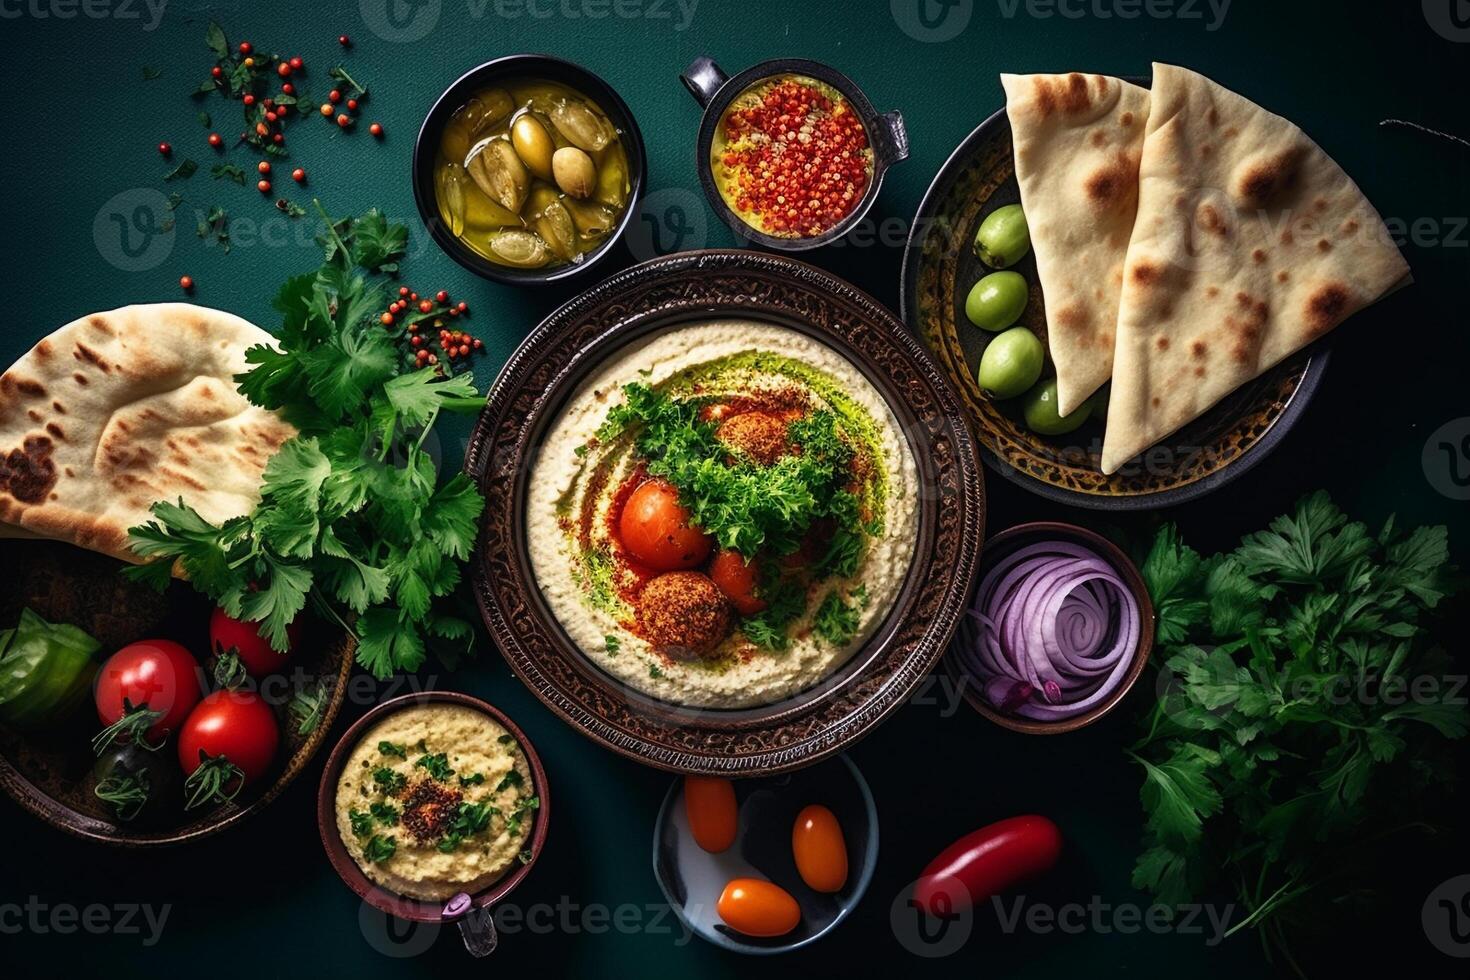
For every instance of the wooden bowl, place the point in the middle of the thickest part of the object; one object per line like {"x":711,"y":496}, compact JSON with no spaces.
{"x":697,"y":286}
{"x":1009,"y":540}
{"x":49,"y":773}
{"x":391,"y":903}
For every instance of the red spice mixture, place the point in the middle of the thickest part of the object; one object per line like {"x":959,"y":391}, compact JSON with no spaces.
{"x":796,"y":163}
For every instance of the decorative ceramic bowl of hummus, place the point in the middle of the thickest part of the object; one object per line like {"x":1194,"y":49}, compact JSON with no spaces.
{"x":433,"y":806}
{"x":732,"y":509}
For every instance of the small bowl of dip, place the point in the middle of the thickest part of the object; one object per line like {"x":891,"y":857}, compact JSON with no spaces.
{"x":432,"y":808}
{"x":790,"y":153}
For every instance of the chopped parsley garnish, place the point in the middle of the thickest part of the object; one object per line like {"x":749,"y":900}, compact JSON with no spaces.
{"x":385,"y":813}
{"x":785,"y":601}
{"x":513,"y":824}
{"x":379,"y":849}
{"x":512,"y":778}
{"x":611,"y":643}
{"x":525,"y":856}
{"x":362,"y":823}
{"x":389,"y":748}
{"x":472,"y":818}
{"x":389,"y":781}
{"x":474,"y":779}
{"x":654,"y":671}
{"x":437,"y":765}
{"x":836,"y":620}
{"x":505,"y":739}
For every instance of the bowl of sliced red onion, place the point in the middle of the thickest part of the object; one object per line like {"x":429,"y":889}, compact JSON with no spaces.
{"x":1058,"y":631}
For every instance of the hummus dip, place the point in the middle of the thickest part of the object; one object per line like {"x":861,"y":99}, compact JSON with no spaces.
{"x":723,"y":514}
{"x":435,"y":800}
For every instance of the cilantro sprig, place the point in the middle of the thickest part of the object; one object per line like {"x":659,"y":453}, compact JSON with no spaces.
{"x":1304,"y":713}
{"x":353,"y":515}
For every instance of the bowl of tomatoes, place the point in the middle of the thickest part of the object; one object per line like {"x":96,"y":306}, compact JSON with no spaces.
{"x":141,"y":719}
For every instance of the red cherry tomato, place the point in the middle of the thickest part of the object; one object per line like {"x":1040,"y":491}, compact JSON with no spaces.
{"x":244,"y":640}
{"x":227,"y":742}
{"x":820,"y":849}
{"x":656,"y":529}
{"x":145,"y":690}
{"x":758,"y":908}
{"x":709,"y":803}
{"x":738,"y":579}
{"x":987,"y":862}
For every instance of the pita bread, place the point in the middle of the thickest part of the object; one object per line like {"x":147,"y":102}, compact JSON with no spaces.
{"x":1250,"y":243}
{"x":117,"y":410}
{"x":1077,"y":142}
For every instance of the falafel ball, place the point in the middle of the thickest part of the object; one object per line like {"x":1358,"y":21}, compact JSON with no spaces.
{"x":759,"y":436}
{"x":683,"y":614}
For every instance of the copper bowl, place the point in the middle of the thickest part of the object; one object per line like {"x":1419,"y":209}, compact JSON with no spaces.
{"x":413,"y":909}
{"x":1003,"y":544}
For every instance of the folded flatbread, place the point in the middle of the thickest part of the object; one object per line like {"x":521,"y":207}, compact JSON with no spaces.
{"x":1250,"y":243}
{"x":120,"y":409}
{"x":1077,"y":142}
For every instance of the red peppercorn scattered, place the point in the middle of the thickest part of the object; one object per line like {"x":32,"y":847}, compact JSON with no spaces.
{"x":426,"y":306}
{"x":387,"y":319}
{"x":278,"y":139}
{"x":268,"y":102}
{"x":299,"y":175}
{"x":376,"y":129}
{"x":216,"y":72}
{"x":402,"y":290}
{"x":271,"y":116}
{"x":463,"y":307}
{"x":344,"y":120}
{"x":442,"y":296}
{"x":288,"y":88}
{"x":352,"y":104}
{"x":413,"y":297}
{"x":248,"y":62}
{"x":326,"y":110}
{"x":186,"y":283}
{"x":334,"y":96}
{"x":215,"y":140}
{"x":261,"y":129}
{"x":297,"y":64}
{"x":798,"y":161}
{"x":248,"y":99}
{"x":281,"y":110}
{"x":245,"y":48}
{"x":344,"y":40}
{"x":165,"y":149}
{"x":264,"y":166}
{"x":263,"y":186}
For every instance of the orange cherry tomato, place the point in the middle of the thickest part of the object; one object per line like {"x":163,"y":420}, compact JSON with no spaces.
{"x":820,"y":850}
{"x":737,"y":578}
{"x":656,"y":529}
{"x":709,"y":803}
{"x":758,"y":908}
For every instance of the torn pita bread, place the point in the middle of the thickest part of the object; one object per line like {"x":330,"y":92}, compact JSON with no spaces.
{"x":1077,"y":142}
{"x":118,"y":410}
{"x":1250,"y":243}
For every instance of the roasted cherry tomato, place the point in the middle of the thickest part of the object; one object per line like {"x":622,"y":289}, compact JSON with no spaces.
{"x":228,"y":635}
{"x":987,"y":862}
{"x":656,"y":529}
{"x":738,"y":579}
{"x":144,"y":691}
{"x":758,"y":908}
{"x":709,"y":803}
{"x":820,"y":849}
{"x":138,"y":783}
{"x":228,"y":742}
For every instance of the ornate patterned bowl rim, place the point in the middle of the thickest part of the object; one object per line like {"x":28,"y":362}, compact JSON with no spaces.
{"x":665,"y":292}
{"x":1309,"y":366}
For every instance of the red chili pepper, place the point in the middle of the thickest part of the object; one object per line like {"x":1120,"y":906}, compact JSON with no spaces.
{"x":987,"y":862}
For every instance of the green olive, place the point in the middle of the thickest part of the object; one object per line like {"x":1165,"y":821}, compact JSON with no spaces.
{"x":997,"y":300}
{"x":1003,"y":238}
{"x":1011,"y":363}
{"x":1040,"y":411}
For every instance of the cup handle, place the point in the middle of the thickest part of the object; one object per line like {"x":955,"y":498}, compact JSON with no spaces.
{"x":703,"y":78}
{"x":477,"y":928}
{"x":895,"y":136}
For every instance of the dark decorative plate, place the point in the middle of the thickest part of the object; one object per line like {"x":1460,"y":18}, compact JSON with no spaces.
{"x":664,"y":293}
{"x":939,"y":266}
{"x":50,"y":773}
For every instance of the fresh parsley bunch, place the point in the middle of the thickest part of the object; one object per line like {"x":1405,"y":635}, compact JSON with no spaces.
{"x":351,"y":512}
{"x":1303,"y":709}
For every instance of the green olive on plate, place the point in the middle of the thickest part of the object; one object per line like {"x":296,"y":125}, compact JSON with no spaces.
{"x":997,"y":300}
{"x":1003,"y":238}
{"x":1040,"y":411}
{"x":1011,"y":363}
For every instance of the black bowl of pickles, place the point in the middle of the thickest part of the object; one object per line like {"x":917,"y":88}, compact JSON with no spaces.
{"x":527,"y":170}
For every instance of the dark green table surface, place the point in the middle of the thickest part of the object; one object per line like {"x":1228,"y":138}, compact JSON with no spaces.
{"x":262,"y":900}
